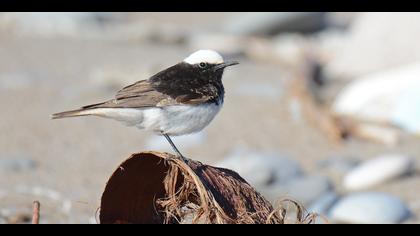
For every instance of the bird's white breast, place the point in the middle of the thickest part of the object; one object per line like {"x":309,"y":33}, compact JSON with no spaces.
{"x":172,"y":120}
{"x":180,"y":119}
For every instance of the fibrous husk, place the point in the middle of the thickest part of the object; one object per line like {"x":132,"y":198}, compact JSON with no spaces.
{"x":157,"y":188}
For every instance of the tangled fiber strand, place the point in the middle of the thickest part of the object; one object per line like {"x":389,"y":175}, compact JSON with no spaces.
{"x":153,"y":187}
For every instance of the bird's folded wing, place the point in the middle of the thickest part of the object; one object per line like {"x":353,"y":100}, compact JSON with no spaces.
{"x":142,"y":94}
{"x":134,"y":90}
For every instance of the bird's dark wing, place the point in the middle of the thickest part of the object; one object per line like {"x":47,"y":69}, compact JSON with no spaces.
{"x":173,"y":86}
{"x":186,"y":84}
{"x":138,"y":95}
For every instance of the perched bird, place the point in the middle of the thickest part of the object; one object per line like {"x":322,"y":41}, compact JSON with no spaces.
{"x":179,"y":100}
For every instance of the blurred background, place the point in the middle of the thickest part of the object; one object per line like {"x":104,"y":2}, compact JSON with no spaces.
{"x":324,"y":107}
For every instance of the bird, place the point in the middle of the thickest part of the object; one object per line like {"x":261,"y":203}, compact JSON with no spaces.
{"x":180,"y":100}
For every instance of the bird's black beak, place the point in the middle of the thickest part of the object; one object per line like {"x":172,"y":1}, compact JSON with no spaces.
{"x":225,"y":64}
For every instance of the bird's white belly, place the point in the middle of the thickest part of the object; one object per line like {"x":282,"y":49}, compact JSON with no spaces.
{"x":179,"y":120}
{"x":172,"y":120}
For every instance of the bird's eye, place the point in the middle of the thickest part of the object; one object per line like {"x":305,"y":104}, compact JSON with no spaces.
{"x":202,"y":65}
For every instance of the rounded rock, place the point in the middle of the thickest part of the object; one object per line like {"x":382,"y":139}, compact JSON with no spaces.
{"x":369,"y":208}
{"x":262,"y":169}
{"x":377,"y":171}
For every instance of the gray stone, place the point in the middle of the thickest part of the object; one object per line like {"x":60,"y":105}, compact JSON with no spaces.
{"x":261,"y":169}
{"x":287,"y":49}
{"x":309,"y":188}
{"x":39,"y":191}
{"x":340,"y":20}
{"x":377,"y":171}
{"x":369,"y":208}
{"x":322,"y":204}
{"x":379,"y":40}
{"x":407,"y":113}
{"x":386,"y":97}
{"x":45,"y":24}
{"x":271,"y":23}
{"x":338,"y":164}
{"x":51,"y":24}
{"x":17,"y":164}
{"x":304,"y":189}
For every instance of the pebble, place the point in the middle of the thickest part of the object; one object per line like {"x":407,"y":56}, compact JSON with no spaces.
{"x":377,"y":171}
{"x":365,"y":41}
{"x":323,"y":204}
{"x":369,"y":208}
{"x":341,"y":20}
{"x":39,"y":191}
{"x":407,"y":113}
{"x":386,"y":97}
{"x":276,"y":176}
{"x":16,"y":165}
{"x":51,"y":24}
{"x":288,"y":49}
{"x":46,"y":24}
{"x":261,"y":169}
{"x":305,"y":189}
{"x":338,"y":164}
{"x":270,"y":23}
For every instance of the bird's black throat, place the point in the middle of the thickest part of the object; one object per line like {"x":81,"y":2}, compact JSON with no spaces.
{"x":190,"y":82}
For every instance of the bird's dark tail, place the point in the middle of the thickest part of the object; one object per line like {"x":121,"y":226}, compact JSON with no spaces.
{"x":73,"y":113}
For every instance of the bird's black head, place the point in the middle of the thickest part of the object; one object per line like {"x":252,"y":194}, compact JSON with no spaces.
{"x":197,"y":76}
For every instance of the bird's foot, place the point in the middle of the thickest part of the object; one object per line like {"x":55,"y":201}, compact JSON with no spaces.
{"x":179,"y":157}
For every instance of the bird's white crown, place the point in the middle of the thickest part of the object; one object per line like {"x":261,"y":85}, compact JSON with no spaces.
{"x":209,"y":56}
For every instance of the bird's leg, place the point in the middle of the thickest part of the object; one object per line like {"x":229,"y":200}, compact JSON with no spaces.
{"x":175,"y":149}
